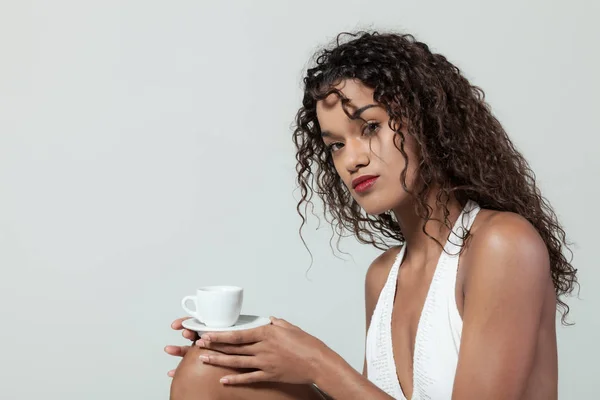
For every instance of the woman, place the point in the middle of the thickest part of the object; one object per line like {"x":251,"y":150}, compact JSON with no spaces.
{"x":461,"y":304}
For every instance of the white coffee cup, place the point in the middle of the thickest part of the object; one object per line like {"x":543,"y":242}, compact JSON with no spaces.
{"x":216,"y":306}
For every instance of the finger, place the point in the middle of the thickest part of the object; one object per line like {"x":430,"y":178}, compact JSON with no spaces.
{"x":171,"y":373}
{"x":191,"y":335}
{"x":229,"y":361}
{"x":235,"y":337}
{"x":250,"y":377}
{"x":177,"y":324}
{"x":232,"y":349}
{"x":178,"y":351}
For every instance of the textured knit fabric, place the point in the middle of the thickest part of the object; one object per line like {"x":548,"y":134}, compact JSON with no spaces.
{"x":439,"y":329}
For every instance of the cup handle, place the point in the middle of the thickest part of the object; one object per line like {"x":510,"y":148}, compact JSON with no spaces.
{"x":193,"y":313}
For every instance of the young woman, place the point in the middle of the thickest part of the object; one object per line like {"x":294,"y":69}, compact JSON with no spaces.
{"x":462,"y":304}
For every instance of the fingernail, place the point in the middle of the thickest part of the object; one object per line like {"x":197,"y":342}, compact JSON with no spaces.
{"x":204,"y":358}
{"x":200,"y":343}
{"x":205,"y":337}
{"x":224,"y":380}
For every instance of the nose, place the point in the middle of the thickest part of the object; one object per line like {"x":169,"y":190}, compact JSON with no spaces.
{"x":357,"y":155}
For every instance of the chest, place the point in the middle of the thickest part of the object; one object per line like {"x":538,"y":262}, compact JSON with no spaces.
{"x":413,"y":288}
{"x":413,"y":291}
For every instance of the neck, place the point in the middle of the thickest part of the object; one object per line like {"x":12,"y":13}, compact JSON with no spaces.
{"x":419,"y":245}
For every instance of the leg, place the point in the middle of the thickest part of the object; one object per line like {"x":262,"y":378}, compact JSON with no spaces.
{"x":195,"y":380}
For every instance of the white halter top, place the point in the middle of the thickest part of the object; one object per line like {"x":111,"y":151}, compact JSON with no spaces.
{"x":438,"y":332}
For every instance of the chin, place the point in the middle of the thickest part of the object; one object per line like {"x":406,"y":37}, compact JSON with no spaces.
{"x":375,"y":209}
{"x":377,"y":205}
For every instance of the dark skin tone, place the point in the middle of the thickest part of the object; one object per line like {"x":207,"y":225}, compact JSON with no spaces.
{"x":504,"y":291}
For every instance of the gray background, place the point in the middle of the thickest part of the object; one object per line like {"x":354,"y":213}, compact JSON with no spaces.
{"x":145,"y":150}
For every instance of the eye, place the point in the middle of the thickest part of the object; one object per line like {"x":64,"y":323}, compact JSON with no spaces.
{"x":333,"y":147}
{"x":370,"y":128}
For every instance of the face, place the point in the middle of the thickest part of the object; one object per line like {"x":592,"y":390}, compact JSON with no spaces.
{"x":365,"y":150}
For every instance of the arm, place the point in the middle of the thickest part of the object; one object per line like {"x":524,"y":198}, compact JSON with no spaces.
{"x":282,"y":352}
{"x":507,"y":277}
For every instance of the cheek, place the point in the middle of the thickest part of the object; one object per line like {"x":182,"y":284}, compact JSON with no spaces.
{"x":337,"y":165}
{"x":389,"y":150}
{"x":339,"y":170}
{"x":396,"y":162}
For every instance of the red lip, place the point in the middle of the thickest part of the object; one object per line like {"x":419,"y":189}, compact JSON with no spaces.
{"x":356,"y":182}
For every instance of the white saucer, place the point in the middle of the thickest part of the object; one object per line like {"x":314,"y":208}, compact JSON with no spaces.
{"x":243,"y":322}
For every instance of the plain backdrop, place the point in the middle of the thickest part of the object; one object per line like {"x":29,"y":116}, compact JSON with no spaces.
{"x":145,"y":150}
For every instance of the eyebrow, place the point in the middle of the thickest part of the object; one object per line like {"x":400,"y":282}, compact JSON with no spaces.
{"x":355,"y":115}
{"x":359,"y":111}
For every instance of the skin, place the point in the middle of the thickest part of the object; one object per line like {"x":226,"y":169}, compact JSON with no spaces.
{"x":504,"y":291}
{"x":197,"y":380}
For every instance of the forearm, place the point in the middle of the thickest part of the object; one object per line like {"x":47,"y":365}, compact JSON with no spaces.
{"x":339,"y":380}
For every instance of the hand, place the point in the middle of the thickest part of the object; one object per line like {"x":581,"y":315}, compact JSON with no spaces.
{"x":180,"y":351}
{"x":280,"y":352}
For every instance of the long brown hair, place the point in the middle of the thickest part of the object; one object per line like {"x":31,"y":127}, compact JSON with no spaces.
{"x":463,"y":148}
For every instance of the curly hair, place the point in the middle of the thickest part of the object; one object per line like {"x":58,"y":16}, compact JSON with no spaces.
{"x":463,"y":149}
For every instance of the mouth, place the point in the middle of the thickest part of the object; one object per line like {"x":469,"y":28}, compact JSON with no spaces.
{"x":363,"y":183}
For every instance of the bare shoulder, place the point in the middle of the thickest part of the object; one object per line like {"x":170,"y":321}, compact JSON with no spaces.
{"x":505,"y":244}
{"x":508,"y":310}
{"x":379,"y":270}
{"x":376,"y":278}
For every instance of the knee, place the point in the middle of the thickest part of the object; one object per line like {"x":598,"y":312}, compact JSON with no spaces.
{"x":195,"y":380}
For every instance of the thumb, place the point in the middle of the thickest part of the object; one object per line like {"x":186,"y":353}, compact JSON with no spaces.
{"x":281,"y":322}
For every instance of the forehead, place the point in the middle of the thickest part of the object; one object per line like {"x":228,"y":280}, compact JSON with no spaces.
{"x":356,"y":91}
